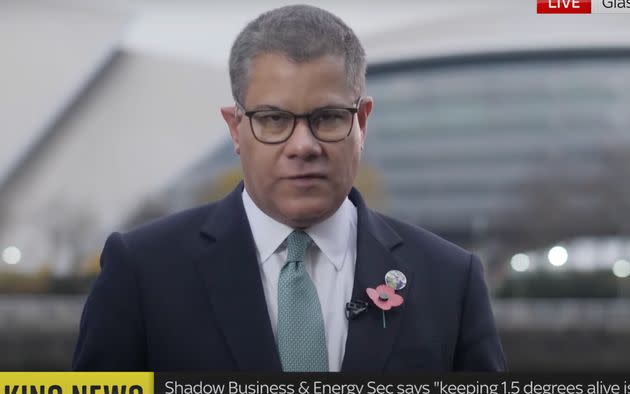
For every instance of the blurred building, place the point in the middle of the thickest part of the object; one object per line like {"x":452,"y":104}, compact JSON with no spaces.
{"x":91,"y":129}
{"x":472,"y":102}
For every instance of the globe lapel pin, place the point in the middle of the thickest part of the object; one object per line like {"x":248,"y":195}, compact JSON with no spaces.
{"x":395,"y":279}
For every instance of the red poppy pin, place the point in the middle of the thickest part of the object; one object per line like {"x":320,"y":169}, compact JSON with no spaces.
{"x":385,"y":298}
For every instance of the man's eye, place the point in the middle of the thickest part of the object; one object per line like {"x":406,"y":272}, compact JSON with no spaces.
{"x":331,"y":116}
{"x":272,"y":117}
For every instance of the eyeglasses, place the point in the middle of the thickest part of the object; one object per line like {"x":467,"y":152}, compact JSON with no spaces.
{"x":275,"y":126}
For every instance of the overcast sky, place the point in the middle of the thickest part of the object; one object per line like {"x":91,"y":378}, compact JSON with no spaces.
{"x":204,"y":31}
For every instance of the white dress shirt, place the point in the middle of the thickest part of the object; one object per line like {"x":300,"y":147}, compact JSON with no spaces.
{"x":330,"y":264}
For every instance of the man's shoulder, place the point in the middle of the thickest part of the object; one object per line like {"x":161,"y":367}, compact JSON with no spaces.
{"x":171,"y":227}
{"x":417,"y":239}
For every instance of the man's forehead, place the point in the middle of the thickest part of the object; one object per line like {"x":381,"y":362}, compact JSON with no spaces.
{"x":281,"y":57}
{"x":275,"y":80}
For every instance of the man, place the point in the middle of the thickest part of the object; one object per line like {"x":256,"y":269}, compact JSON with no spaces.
{"x":259,"y":281}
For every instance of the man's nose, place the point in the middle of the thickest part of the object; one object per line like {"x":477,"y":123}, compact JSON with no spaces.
{"x":302,"y":142}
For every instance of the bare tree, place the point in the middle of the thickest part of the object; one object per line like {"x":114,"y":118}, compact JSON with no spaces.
{"x":70,"y":230}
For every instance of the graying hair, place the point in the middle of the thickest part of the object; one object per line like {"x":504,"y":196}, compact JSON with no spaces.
{"x":302,"y":33}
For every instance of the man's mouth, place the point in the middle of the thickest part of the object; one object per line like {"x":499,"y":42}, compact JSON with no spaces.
{"x":308,"y":176}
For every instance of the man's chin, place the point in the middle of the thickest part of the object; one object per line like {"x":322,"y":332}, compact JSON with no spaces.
{"x":305,"y":214}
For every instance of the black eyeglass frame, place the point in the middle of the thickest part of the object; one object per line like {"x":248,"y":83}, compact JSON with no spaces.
{"x":307,"y":116}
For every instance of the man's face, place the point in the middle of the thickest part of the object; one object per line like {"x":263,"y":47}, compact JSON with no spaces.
{"x":301,"y":181}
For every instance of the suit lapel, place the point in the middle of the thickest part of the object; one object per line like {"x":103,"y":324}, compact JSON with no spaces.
{"x":229,"y":268}
{"x":369,"y":344}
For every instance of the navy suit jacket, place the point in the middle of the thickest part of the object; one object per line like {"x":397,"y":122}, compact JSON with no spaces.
{"x":184,"y":293}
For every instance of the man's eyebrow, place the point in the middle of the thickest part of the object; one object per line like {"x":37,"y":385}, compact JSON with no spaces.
{"x":332,"y":106}
{"x":262,"y":107}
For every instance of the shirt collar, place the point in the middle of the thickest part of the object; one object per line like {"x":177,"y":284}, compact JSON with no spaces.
{"x":332,"y":236}
{"x":268,"y":233}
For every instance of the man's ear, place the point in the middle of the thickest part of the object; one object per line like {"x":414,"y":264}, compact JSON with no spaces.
{"x":232,"y":120}
{"x":365,"y":108}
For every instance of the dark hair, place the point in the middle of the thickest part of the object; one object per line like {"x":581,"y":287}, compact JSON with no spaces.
{"x":302,"y":33}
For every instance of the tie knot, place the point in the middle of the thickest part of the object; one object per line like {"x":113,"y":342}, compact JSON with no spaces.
{"x":297,"y":243}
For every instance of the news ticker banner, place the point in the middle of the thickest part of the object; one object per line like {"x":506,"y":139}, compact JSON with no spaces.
{"x":166,"y":383}
{"x":583,"y":6}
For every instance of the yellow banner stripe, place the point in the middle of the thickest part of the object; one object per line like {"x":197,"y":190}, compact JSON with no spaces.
{"x":76,"y":382}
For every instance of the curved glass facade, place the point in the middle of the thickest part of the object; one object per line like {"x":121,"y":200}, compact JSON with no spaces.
{"x":459,"y":142}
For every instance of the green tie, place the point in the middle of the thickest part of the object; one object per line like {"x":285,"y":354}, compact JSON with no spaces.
{"x":301,"y":336}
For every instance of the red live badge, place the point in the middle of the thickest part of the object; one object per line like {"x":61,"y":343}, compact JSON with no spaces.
{"x":564,"y":6}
